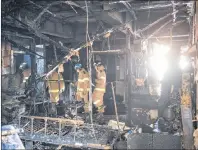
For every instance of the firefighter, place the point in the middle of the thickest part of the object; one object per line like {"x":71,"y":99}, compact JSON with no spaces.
{"x":26,"y":71}
{"x":56,"y":86}
{"x":82,"y":86}
{"x":100,"y":88}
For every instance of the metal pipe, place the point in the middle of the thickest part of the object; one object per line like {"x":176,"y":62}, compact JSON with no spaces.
{"x":108,"y":51}
{"x":39,"y":6}
{"x":115,"y":105}
{"x":174,"y":9}
{"x":168,"y":36}
{"x":40,"y":130}
{"x":159,"y":29}
{"x":157,"y":6}
{"x":128,"y":73}
{"x":155,"y":22}
{"x":146,"y":7}
{"x":69,"y":81}
{"x":130,"y":10}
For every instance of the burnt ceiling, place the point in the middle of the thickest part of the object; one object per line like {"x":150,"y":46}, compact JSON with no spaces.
{"x":63,"y":23}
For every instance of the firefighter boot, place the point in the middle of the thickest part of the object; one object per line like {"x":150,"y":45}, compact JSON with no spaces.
{"x":100,"y":116}
{"x":86,"y":108}
{"x":53,"y":110}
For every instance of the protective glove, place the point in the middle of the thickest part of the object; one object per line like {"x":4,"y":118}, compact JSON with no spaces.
{"x":61,"y":68}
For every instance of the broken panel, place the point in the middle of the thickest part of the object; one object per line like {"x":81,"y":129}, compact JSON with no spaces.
{"x":153,"y":141}
{"x":8,"y":62}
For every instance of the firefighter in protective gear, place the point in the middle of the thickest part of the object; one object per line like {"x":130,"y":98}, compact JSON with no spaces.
{"x":100,"y":87}
{"x":56,"y":86}
{"x":82,"y":86}
{"x":26,"y":71}
{"x":73,"y":56}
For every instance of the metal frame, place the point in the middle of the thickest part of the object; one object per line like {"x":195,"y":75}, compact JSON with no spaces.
{"x":56,"y":132}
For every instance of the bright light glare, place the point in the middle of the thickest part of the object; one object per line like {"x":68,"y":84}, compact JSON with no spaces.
{"x":183,"y":63}
{"x":159,"y":65}
{"x":160,"y":50}
{"x":158,"y":61}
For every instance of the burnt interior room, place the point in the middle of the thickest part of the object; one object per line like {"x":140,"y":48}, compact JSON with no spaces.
{"x":99,"y":74}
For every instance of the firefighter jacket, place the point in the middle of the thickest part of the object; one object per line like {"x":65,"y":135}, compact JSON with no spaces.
{"x":100,"y":80}
{"x":83,"y":82}
{"x":56,"y":85}
{"x":26,"y":75}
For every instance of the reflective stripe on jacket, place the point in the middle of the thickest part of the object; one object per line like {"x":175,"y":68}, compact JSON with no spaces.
{"x":54,"y":86}
{"x":100,"y":81}
{"x":83,"y":81}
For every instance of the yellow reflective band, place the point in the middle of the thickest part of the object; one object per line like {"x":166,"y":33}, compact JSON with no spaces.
{"x":80,"y":89}
{"x":55,"y":80}
{"x":24,"y":81}
{"x":96,"y":102}
{"x":86,"y":79}
{"x":53,"y":91}
{"x":80,"y":80}
{"x":102,"y":78}
{"x":26,"y":78}
{"x":100,"y":89}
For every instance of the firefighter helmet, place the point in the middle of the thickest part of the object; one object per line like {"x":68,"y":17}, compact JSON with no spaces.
{"x":23,"y":66}
{"x":77,"y":66}
{"x":97,"y":63}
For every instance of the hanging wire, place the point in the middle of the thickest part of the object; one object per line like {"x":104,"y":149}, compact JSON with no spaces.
{"x":149,"y":11}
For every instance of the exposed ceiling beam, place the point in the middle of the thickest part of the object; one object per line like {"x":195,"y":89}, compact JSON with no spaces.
{"x":155,"y":22}
{"x":132,"y":12}
{"x":40,"y":35}
{"x":31,"y":52}
{"x":113,"y":19}
{"x":173,"y":36}
{"x":157,"y":6}
{"x":160,"y":28}
{"x":146,"y":6}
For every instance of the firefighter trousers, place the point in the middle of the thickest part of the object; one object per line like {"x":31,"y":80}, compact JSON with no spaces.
{"x":80,"y":96}
{"x":97,"y":98}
